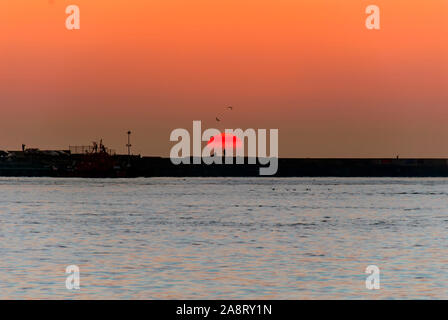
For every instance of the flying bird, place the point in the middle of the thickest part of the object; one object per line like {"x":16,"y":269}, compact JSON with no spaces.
{"x":217,"y":119}
{"x":230,"y":108}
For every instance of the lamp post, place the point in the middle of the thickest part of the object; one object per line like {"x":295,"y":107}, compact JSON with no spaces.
{"x":129,"y":149}
{"x":129,"y":145}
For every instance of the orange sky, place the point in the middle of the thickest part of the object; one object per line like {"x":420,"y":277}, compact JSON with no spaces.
{"x":307,"y":67}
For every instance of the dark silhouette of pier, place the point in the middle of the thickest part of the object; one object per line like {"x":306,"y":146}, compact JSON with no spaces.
{"x":102,"y":163}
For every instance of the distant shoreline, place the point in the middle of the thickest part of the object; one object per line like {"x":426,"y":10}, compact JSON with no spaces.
{"x":99,"y":165}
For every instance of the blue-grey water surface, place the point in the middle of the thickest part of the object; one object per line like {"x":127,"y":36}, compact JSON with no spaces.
{"x":224,"y":238}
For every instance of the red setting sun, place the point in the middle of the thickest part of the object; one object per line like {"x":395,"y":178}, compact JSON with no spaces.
{"x":224,"y":140}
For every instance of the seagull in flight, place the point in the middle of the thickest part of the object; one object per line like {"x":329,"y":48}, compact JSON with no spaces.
{"x":217,"y":119}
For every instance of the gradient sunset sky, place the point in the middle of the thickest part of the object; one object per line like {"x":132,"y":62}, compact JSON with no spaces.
{"x":307,"y":67}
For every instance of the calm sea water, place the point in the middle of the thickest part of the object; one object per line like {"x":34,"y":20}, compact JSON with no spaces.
{"x":223,"y":238}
